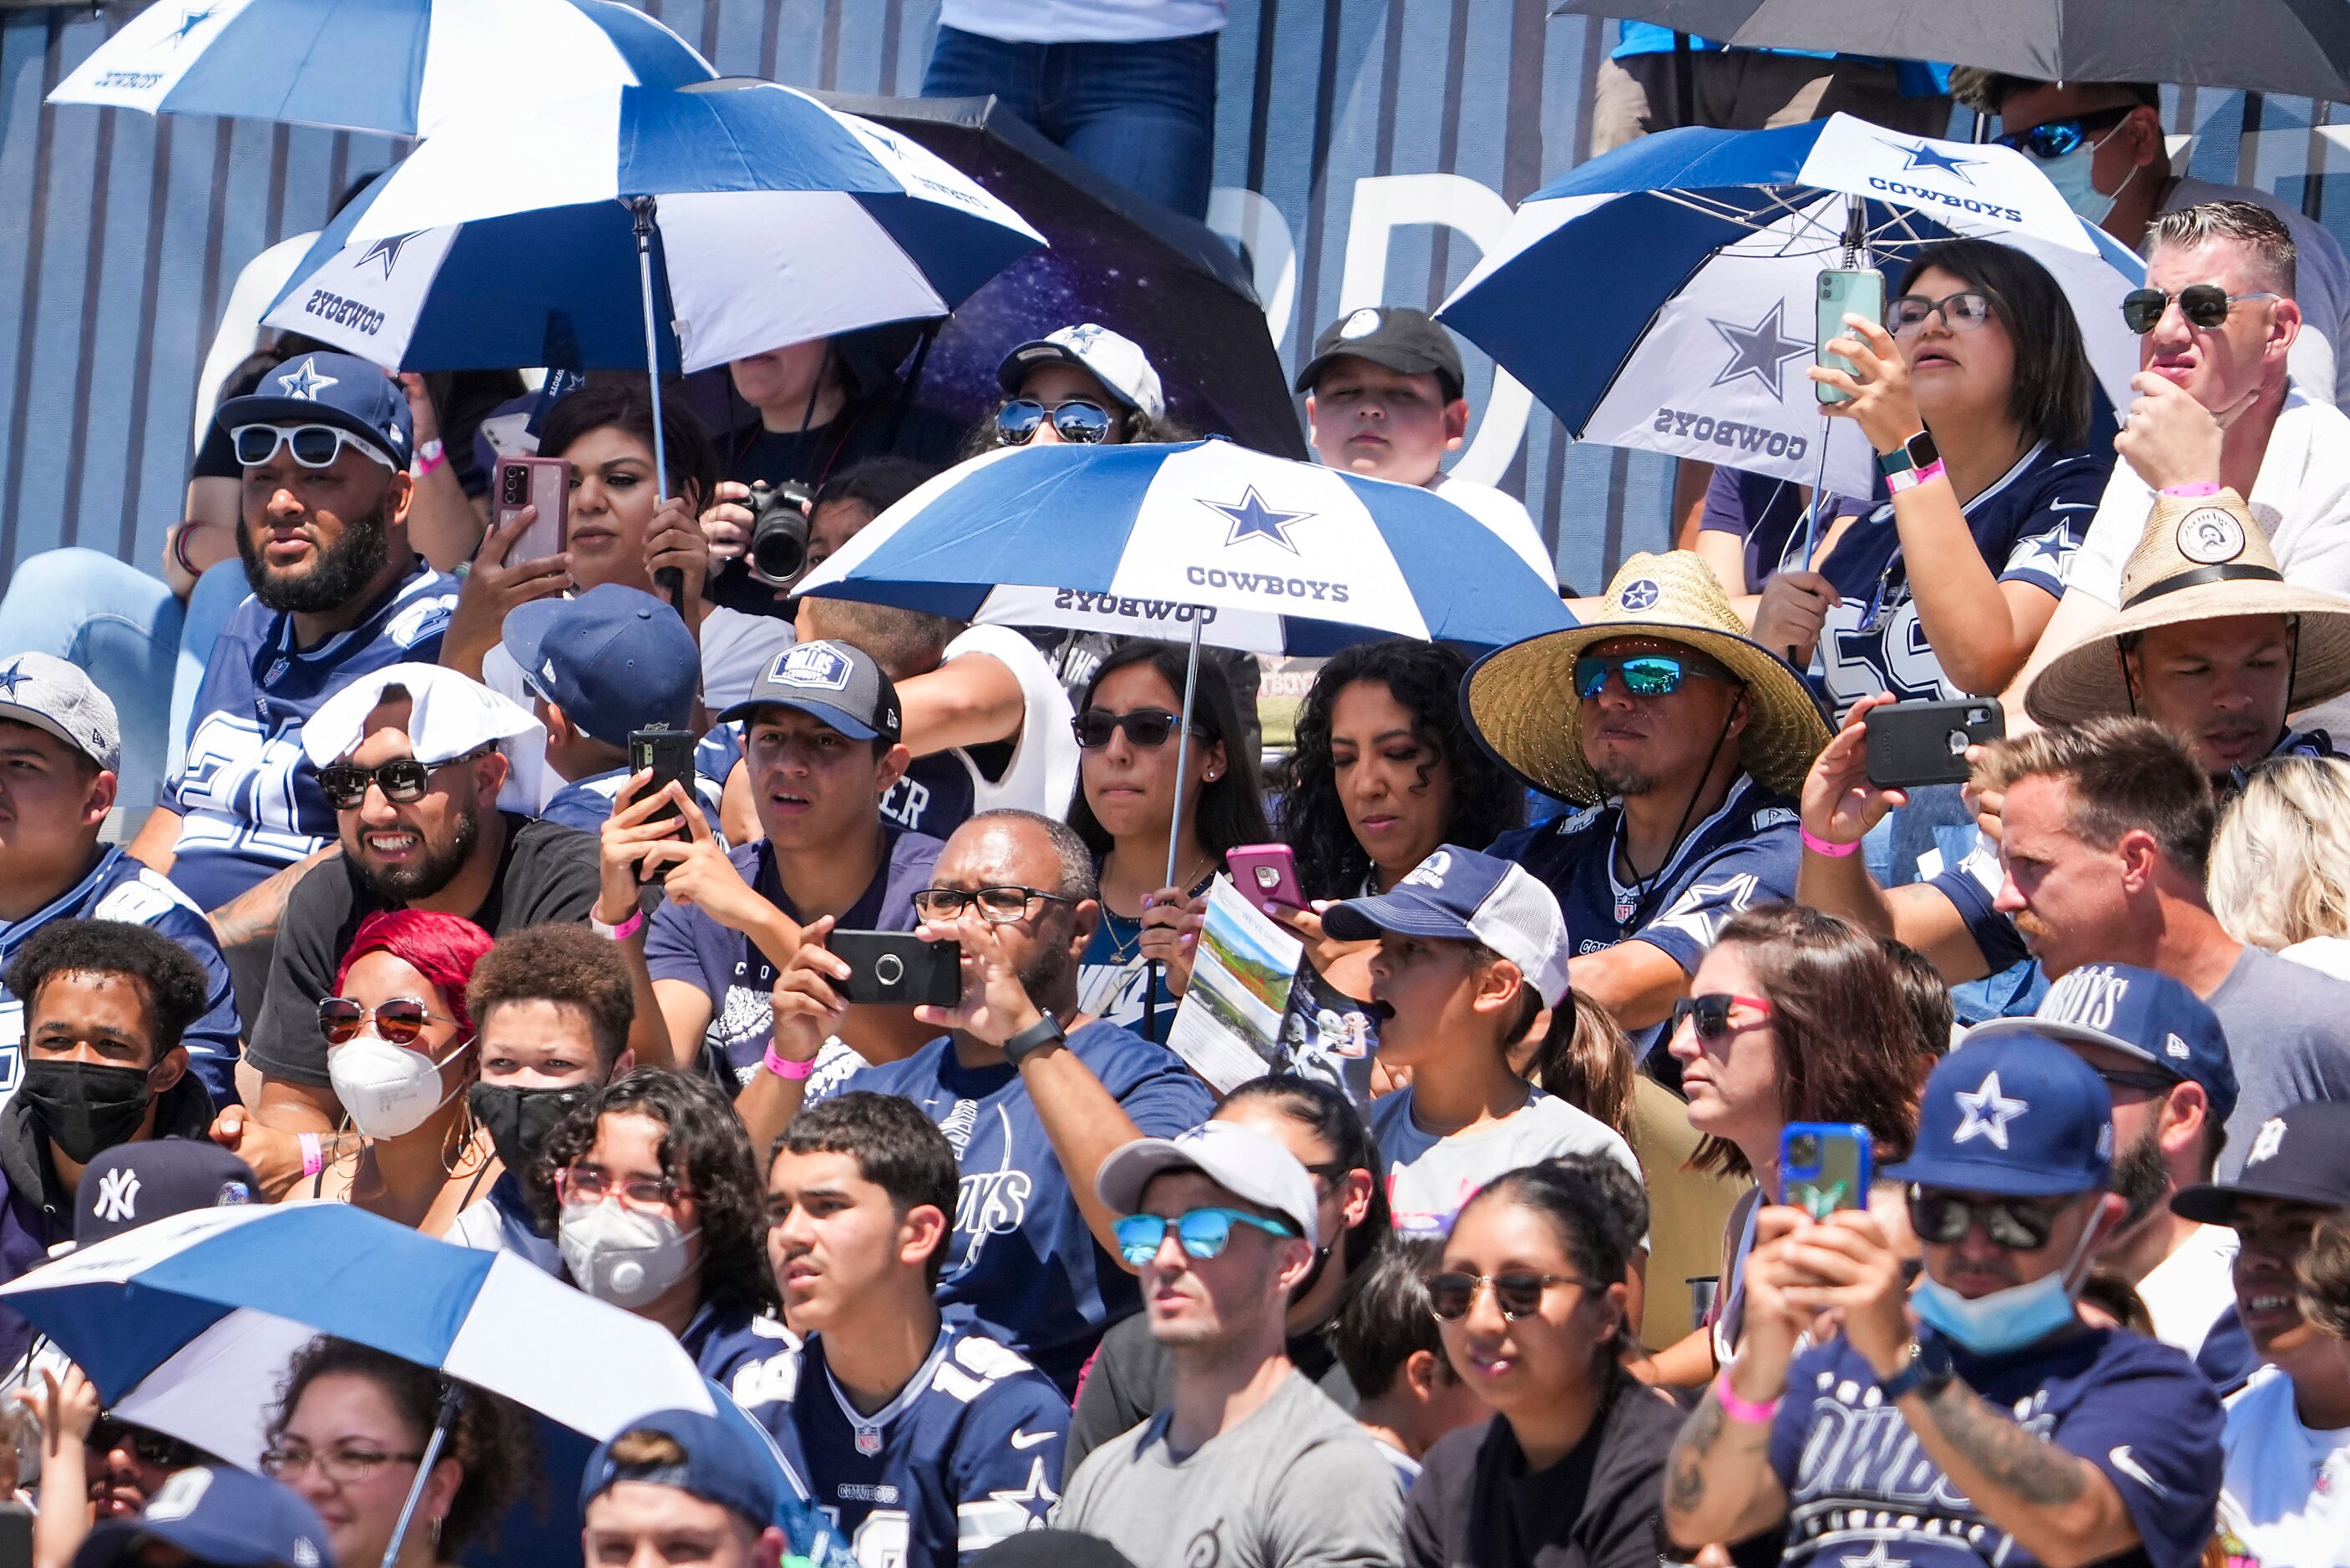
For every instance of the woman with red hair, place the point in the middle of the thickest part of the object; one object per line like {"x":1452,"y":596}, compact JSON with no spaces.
{"x":400,"y":1053}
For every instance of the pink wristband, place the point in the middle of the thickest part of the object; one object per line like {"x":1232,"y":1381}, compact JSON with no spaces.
{"x":621,"y":932}
{"x":1745,"y":1412}
{"x":1911,"y":478}
{"x":1818,"y":846}
{"x":2188,"y":492}
{"x":430,"y":456}
{"x":313,"y":1159}
{"x":792,"y":1072}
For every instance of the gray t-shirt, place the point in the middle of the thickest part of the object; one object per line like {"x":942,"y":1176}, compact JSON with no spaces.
{"x":1296,"y":1485}
{"x":2288,"y":1030}
{"x":1428,"y":1177}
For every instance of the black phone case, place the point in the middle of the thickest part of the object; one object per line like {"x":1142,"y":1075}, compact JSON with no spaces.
{"x":670,"y":755}
{"x":1926,"y":742}
{"x":897,"y":968}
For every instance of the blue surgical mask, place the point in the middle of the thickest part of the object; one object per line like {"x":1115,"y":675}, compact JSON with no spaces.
{"x":2004,"y":1320}
{"x":2072,"y":176}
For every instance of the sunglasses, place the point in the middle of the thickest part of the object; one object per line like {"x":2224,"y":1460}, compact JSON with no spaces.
{"x":2059,"y":136}
{"x":1143,"y":727}
{"x":1077,"y":421}
{"x":403,"y":780}
{"x":1202,"y":1232}
{"x":2018,"y":1224}
{"x":1517,"y":1292}
{"x":1643,"y":674}
{"x":2147,"y":1082}
{"x":315,"y":446}
{"x":1964,"y":311}
{"x":399,"y":1019}
{"x":2205,"y":304}
{"x":148,"y":1448}
{"x":1709,"y":1014}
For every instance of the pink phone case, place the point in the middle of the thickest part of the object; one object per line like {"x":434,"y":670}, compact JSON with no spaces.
{"x":1266,"y":874}
{"x":544,"y":482}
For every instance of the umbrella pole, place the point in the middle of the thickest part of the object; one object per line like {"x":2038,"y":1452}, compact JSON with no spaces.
{"x":446,"y":1417}
{"x":642,"y":207}
{"x":1175,"y":822}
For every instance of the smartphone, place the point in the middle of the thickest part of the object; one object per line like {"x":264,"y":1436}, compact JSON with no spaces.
{"x":1266,"y":874}
{"x":670,"y":755}
{"x":1857,"y":292}
{"x":1824,"y":1167}
{"x":1925,"y":742}
{"x":541,"y":482}
{"x":897,"y":968}
{"x":16,"y":1535}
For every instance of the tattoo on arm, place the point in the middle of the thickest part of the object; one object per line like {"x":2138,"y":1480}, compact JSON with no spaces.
{"x":255,"y":914}
{"x":2032,"y":1468}
{"x":1685,"y":1470}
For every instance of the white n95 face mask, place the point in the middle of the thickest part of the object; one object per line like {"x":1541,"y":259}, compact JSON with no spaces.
{"x":622,"y":1256}
{"x":388,"y":1089}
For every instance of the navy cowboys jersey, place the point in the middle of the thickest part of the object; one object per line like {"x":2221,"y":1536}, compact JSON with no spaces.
{"x":248,"y":798}
{"x":968,"y":1453}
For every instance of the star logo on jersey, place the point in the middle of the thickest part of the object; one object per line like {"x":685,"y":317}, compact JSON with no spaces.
{"x":12,"y":678}
{"x":1986,"y":1113}
{"x":117,"y":1194}
{"x":1927,"y":156}
{"x":1253,"y":519}
{"x":1037,"y":1492}
{"x":387,"y":251}
{"x":1875,"y":1557}
{"x":1761,"y":351}
{"x":304,"y":383}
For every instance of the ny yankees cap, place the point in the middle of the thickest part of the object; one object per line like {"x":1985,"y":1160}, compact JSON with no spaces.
{"x":217,"y":1514}
{"x":2017,"y":1113}
{"x":1409,"y":342}
{"x":2140,"y":1013}
{"x":135,"y":1184}
{"x":836,"y":681}
{"x":614,"y":659}
{"x":2301,"y":1154}
{"x":1116,"y":361}
{"x":1241,"y":1160}
{"x":1461,"y":895}
{"x":722,"y":1463}
{"x":47,"y":692}
{"x":330,"y":390}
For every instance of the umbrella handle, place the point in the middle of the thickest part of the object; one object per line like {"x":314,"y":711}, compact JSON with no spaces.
{"x":452,"y":1396}
{"x":641,"y":210}
{"x":1175,"y":822}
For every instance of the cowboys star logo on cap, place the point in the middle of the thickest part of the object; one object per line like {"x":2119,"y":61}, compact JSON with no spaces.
{"x":117,"y":1194}
{"x":1430,"y":872}
{"x":2211,"y":534}
{"x":10,"y":678}
{"x":1986,"y":1113}
{"x":811,"y":664}
{"x":1362,"y":324}
{"x":303,"y":382}
{"x":1640,"y":594}
{"x":1081,"y":337}
{"x":2267,"y":1141}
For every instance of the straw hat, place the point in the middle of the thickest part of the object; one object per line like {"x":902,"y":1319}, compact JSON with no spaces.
{"x":2201,"y":558}
{"x":1520,"y":699}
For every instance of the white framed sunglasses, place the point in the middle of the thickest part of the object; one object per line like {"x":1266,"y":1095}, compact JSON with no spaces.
{"x":314,"y":446}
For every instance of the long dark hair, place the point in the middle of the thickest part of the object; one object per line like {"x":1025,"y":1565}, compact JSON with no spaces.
{"x":623,"y":400}
{"x":1425,"y":678}
{"x":1591,"y":1228}
{"x":1229,"y":809}
{"x":704,"y":1149}
{"x":1333,"y":1118}
{"x":2050,"y":396}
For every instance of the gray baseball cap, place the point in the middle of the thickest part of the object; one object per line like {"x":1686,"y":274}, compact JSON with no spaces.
{"x":44,"y":691}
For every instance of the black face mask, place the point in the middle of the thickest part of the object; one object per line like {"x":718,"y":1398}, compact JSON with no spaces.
{"x":520,"y":1119}
{"x":86,"y":1107}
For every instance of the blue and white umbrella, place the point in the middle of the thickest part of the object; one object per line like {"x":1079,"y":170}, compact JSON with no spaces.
{"x":1663,"y":297}
{"x":510,"y":237}
{"x":399,"y":66}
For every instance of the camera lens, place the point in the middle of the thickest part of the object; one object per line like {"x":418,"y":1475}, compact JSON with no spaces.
{"x":1804,"y":1150}
{"x":517,"y":487}
{"x":779,"y":533}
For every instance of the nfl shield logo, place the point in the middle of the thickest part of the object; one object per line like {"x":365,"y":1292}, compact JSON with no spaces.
{"x":868,"y":1440}
{"x":275,"y":673}
{"x":1624,"y":908}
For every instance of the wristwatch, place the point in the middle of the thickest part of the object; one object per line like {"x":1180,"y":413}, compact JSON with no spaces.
{"x":1046,"y":1032}
{"x":1928,"y":1372}
{"x":1918,"y":453}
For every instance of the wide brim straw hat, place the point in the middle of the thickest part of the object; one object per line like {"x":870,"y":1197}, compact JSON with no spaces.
{"x":2201,"y":558}
{"x":1520,"y":699}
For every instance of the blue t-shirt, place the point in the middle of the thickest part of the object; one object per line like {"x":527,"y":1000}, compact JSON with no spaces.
{"x":935,"y":794}
{"x":1860,"y":1488}
{"x":248,"y":798}
{"x":121,"y":888}
{"x":1021,"y":1261}
{"x":968,"y":1454}
{"x":2027,"y":526}
{"x":684,"y":942}
{"x":1766,"y":514}
{"x":586,"y":803}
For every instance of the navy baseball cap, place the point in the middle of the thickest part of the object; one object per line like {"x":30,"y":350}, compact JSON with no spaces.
{"x":2141,"y":1013}
{"x":614,"y":659}
{"x":136,"y":1184}
{"x":836,"y":681}
{"x":2017,"y":1113}
{"x":219,"y":1514}
{"x":2301,"y":1154}
{"x":1462,"y":896}
{"x":330,"y":390}
{"x":722,"y":1464}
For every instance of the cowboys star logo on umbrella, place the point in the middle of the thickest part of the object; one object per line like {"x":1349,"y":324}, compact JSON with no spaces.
{"x":1926,"y":155}
{"x":1253,"y":519}
{"x":387,"y":251}
{"x":1761,"y":351}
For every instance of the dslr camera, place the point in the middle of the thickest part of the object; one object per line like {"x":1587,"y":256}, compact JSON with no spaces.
{"x":779,"y":531}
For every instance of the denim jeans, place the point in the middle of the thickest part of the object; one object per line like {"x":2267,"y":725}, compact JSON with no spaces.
{"x":1144,"y":114}
{"x":131,"y":634}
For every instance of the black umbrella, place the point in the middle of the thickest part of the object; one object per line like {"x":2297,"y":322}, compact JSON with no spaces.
{"x":1172,"y":285}
{"x":2297,"y":46}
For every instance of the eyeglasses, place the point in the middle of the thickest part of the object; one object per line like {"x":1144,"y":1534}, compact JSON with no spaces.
{"x":1202,"y":1232}
{"x":1643,"y":674}
{"x":345,"y":1465}
{"x":1710,"y":1014}
{"x":997,"y":906}
{"x":315,"y":446}
{"x":148,"y":1447}
{"x":403,"y":780}
{"x":593,"y":1184}
{"x":1964,"y":311}
{"x":2205,"y":304}
{"x":1077,"y":421}
{"x":399,"y":1020}
{"x":1143,"y":727}
{"x":2149,"y":1083}
{"x":1517,"y":1292}
{"x":2018,"y":1224}
{"x":2056,"y":138}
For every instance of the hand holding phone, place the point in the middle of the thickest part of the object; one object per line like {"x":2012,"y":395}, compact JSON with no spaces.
{"x":897,"y":968}
{"x":1926,"y":742}
{"x":544,"y":482}
{"x":1266,"y":875}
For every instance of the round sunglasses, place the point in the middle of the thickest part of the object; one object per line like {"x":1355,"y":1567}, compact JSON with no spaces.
{"x":399,"y":1020}
{"x":1709,"y":1014}
{"x":1143,"y":727}
{"x":1076,"y":421}
{"x":1517,"y":1292}
{"x":2205,"y":305}
{"x":2018,"y":1224}
{"x":1643,"y":674}
{"x":1201,"y":1233}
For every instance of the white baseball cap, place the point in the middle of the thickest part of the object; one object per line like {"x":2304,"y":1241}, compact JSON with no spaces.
{"x":448,"y":715}
{"x":1118,"y":362}
{"x":1465,"y":896}
{"x":1241,"y":1160}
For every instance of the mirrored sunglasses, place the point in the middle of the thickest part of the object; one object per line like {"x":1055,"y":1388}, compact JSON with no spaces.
{"x":1076,"y":421}
{"x":2058,"y":136}
{"x":1201,"y":1233}
{"x":1643,"y":674}
{"x":2018,"y":1224}
{"x":399,"y":1020}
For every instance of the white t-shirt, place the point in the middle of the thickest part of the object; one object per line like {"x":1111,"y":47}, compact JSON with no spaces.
{"x":2320,"y":356}
{"x":1428,"y":1178}
{"x":1043,"y":772}
{"x":1083,"y":21}
{"x":2284,"y":1489}
{"x":1505,"y":515}
{"x":239,"y":323}
{"x":2186,"y":1292}
{"x":2327,"y":955}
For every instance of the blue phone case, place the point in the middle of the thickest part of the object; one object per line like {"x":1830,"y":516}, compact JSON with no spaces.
{"x":1860,"y":292}
{"x":1825,"y":1166}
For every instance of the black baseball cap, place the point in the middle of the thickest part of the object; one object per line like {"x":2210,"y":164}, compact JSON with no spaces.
{"x":2301,"y":1154}
{"x":135,"y":1184}
{"x":1405,"y":341}
{"x":837,"y":681}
